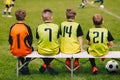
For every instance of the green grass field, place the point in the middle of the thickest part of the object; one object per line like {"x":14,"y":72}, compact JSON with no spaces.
{"x":33,"y":9}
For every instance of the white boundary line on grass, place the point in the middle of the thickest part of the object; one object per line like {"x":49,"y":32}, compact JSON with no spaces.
{"x":106,"y":11}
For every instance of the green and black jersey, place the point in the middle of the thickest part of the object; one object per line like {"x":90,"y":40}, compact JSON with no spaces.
{"x":48,"y":41}
{"x":98,"y":37}
{"x":70,"y":31}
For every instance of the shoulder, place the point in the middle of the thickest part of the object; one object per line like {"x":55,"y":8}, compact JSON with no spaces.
{"x":54,"y":24}
{"x":105,"y":28}
{"x":47,"y":25}
{"x":40,"y":25}
{"x":63,"y":22}
{"x":27,"y":26}
{"x":72,"y":23}
{"x":12,"y":27}
{"x":92,"y":29}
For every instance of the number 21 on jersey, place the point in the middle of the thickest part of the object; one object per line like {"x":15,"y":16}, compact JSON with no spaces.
{"x":98,"y":37}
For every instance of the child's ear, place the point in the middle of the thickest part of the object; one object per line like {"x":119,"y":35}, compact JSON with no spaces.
{"x":52,"y":17}
{"x":103,"y":22}
{"x":75,"y":17}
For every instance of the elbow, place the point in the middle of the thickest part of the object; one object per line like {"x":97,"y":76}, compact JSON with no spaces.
{"x":88,"y":42}
{"x":110,"y":44}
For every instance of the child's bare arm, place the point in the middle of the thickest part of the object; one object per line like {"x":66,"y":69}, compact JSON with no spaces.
{"x":110,"y":44}
{"x":81,"y":43}
{"x":87,"y":42}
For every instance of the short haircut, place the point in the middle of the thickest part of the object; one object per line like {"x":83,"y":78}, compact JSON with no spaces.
{"x":97,"y":19}
{"x":20,"y":14}
{"x":70,"y":13}
{"x":46,"y":14}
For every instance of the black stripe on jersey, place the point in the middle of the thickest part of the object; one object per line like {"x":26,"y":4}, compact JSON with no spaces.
{"x":79,"y":31}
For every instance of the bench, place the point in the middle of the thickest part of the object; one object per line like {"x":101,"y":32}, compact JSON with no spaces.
{"x":34,"y":54}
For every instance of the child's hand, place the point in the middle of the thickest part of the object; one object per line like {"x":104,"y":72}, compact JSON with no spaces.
{"x":82,"y":50}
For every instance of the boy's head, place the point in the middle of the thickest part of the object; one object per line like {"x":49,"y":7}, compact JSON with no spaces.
{"x":70,"y":13}
{"x":97,"y":19}
{"x":20,"y":15}
{"x":47,"y":14}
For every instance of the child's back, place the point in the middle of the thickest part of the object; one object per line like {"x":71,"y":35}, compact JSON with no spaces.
{"x":69,"y":39}
{"x":48,"y":42}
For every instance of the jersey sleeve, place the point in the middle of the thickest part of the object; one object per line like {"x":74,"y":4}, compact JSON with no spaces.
{"x":30,"y":36}
{"x":10,"y":37}
{"x":59,"y":33}
{"x":87,"y":36}
{"x":37,"y":36}
{"x":79,"y":31}
{"x":110,"y":37}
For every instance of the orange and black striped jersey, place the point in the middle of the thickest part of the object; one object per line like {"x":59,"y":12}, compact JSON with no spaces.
{"x":20,"y":39}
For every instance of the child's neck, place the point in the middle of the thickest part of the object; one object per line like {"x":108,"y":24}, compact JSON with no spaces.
{"x":20,"y":21}
{"x":98,"y":26}
{"x":48,"y":21}
{"x":70,"y":20}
